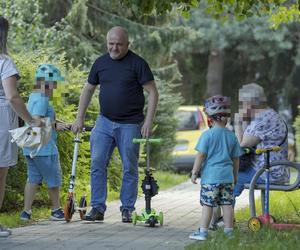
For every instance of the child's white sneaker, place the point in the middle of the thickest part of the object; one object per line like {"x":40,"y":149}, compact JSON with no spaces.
{"x":197,"y":235}
{"x":228,"y":232}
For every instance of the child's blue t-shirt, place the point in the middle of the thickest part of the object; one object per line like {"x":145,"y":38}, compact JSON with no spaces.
{"x":220,"y":145}
{"x":38,"y":105}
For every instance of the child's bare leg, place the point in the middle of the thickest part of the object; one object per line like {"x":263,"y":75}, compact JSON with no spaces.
{"x":54,"y":197}
{"x":29,"y":194}
{"x":228,"y":219}
{"x":228,"y":215}
{"x":202,"y":233}
{"x":206,"y":216}
{"x":3,"y":174}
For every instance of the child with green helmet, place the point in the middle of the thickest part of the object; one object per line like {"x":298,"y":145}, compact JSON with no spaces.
{"x":45,"y":166}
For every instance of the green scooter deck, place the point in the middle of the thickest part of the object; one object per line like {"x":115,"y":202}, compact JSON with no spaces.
{"x":151,"y":218}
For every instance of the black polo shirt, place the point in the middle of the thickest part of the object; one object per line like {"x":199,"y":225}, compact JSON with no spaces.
{"x":121,"y":94}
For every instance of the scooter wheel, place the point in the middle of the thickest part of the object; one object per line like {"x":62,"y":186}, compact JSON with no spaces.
{"x":82,"y":207}
{"x":152,"y":221}
{"x":69,"y":209}
{"x":254,"y":224}
{"x":161,"y":218}
{"x":134,"y":218}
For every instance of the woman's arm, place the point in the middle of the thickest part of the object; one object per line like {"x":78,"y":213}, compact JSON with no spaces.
{"x":15,"y":100}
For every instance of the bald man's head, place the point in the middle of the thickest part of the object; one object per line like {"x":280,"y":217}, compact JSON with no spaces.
{"x":117,"y":42}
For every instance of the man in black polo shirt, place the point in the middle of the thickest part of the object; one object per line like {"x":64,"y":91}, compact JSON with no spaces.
{"x":122,"y":76}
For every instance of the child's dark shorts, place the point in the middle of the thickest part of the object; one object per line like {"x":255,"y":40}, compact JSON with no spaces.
{"x":213,"y":195}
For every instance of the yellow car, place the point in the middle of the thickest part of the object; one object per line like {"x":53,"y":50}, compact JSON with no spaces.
{"x":192,"y":121}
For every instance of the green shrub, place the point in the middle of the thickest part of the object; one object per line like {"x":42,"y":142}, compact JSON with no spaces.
{"x":297,"y":136}
{"x":65,"y":102}
{"x":62,"y":43}
{"x":167,"y":80}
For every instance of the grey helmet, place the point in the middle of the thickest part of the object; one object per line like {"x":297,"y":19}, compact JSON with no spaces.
{"x":217,"y":104}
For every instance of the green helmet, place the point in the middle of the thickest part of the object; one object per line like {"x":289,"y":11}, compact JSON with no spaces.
{"x":49,"y":72}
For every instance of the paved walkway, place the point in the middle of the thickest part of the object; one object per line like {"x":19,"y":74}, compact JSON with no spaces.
{"x":181,"y":210}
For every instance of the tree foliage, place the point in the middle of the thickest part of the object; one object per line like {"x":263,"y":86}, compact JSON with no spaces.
{"x":65,"y":99}
{"x":252,"y":52}
{"x":281,"y":11}
{"x":72,"y":38}
{"x":72,"y":34}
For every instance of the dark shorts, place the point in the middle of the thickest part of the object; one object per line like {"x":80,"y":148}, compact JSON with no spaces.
{"x":213,"y":195}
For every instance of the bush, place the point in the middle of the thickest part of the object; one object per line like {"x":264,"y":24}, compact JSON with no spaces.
{"x":38,"y":41}
{"x":297,"y":136}
{"x":65,"y":101}
{"x":165,"y":124}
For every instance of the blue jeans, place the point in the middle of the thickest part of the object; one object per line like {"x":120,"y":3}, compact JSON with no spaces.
{"x":105,"y":136}
{"x":245,"y":177}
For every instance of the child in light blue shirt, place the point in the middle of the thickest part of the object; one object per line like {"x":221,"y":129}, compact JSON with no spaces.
{"x":45,"y":166}
{"x":218,"y":161}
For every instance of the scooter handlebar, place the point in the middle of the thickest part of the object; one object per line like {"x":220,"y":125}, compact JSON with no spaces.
{"x":144,"y":140}
{"x":265,"y":150}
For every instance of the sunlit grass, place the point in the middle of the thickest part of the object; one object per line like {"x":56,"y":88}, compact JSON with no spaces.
{"x":12,"y":219}
{"x":243,"y":239}
{"x":284,"y":207}
{"x":167,"y":179}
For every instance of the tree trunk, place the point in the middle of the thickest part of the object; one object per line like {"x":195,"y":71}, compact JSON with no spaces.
{"x":214,"y":77}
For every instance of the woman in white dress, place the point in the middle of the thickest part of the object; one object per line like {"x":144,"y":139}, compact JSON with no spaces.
{"x":11,"y":106}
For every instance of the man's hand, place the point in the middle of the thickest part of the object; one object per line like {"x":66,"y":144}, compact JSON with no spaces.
{"x":78,"y":125}
{"x":146,"y":130}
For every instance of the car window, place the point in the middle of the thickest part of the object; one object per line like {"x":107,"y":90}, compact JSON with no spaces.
{"x":187,"y":120}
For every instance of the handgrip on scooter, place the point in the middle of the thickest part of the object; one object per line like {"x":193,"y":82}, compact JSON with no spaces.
{"x":265,"y":150}
{"x":144,"y":140}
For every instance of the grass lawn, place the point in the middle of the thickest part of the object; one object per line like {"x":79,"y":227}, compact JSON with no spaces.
{"x":12,"y":219}
{"x":164,"y":179}
{"x":285,"y":207}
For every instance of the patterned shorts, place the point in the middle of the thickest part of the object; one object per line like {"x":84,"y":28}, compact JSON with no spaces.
{"x":213,"y":195}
